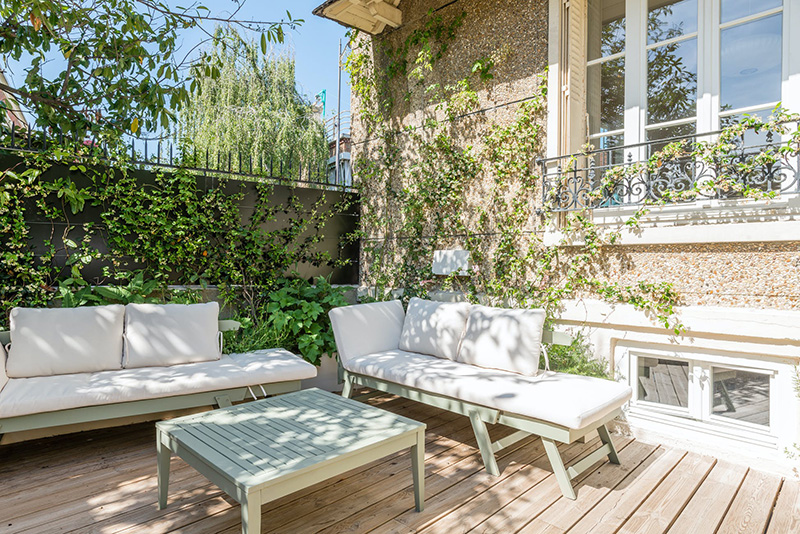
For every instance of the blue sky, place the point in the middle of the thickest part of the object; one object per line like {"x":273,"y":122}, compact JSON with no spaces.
{"x":315,"y":43}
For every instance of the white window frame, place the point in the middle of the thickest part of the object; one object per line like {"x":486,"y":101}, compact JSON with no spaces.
{"x":708,"y":83}
{"x":699,"y":413}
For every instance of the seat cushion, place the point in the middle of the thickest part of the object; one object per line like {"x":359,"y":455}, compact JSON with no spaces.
{"x":434,"y":328}
{"x":171,"y":334}
{"x":366,"y":328}
{"x":509,"y":340}
{"x":571,"y":401}
{"x":58,"y":341}
{"x":25,"y":396}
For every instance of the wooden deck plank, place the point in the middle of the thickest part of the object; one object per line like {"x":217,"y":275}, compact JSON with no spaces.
{"x":752,"y":507}
{"x":86,"y":499}
{"x":210,"y":495}
{"x":463,"y":462}
{"x":564,"y":513}
{"x":659,"y":510}
{"x":710,"y":504}
{"x":535,"y":499}
{"x":375,"y":516}
{"x":786,"y":515}
{"x":445,"y":509}
{"x":103,"y":482}
{"x":621,"y":502}
{"x":461,"y":518}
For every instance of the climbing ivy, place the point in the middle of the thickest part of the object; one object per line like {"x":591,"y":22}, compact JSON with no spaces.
{"x":155,"y":233}
{"x":425,"y":188}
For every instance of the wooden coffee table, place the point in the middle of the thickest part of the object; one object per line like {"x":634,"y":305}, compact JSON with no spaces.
{"x":262,"y":450}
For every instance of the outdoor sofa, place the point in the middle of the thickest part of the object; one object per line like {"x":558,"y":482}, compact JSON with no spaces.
{"x":63,"y":368}
{"x":481,"y":362}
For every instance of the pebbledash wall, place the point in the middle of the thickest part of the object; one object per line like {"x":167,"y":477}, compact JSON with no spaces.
{"x":735,"y":264}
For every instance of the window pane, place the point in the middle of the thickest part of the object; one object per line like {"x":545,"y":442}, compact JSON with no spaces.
{"x":667,"y":19}
{"x":605,"y":102}
{"x":606,"y":28}
{"x":741,"y":395}
{"x":751,"y":63}
{"x":751,"y":138}
{"x":657,"y":134}
{"x":610,"y":147}
{"x":672,"y":82}
{"x":664,"y":381}
{"x":736,"y":9}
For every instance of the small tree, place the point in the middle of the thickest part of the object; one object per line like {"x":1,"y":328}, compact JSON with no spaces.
{"x":251,"y":109}
{"x":110,"y":66}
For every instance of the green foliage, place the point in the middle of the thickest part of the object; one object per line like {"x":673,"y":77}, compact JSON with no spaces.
{"x":253,"y":336}
{"x":250,"y":109}
{"x":295,"y":317}
{"x":112,"y":66}
{"x":577,"y":358}
{"x":166,"y":232}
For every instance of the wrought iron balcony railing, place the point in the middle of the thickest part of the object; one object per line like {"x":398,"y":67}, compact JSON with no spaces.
{"x":616,"y":176}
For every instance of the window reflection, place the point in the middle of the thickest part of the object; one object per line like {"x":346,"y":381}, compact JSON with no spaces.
{"x":741,"y":395}
{"x":606,"y":96}
{"x":607,"y":37}
{"x":664,"y":381}
{"x":672,"y":81}
{"x":736,"y":9}
{"x":668,"y":19}
{"x":751,"y":63}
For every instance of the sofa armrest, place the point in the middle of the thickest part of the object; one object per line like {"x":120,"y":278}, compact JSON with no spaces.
{"x":367,"y":328}
{"x":229,"y":325}
{"x":3,"y":375}
{"x":551,"y":337}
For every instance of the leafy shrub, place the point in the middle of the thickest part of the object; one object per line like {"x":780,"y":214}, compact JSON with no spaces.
{"x":295,"y":317}
{"x":577,"y":358}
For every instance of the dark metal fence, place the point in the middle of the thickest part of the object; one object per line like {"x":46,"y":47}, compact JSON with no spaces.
{"x":166,"y":154}
{"x":577,"y":181}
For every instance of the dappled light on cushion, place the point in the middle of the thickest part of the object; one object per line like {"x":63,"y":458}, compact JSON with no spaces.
{"x":572,"y":401}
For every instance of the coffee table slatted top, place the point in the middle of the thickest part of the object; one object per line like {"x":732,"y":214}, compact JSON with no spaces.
{"x":254,"y":443}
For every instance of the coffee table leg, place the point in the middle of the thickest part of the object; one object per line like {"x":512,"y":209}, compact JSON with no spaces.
{"x":164,"y":455}
{"x":251,"y":515}
{"x":418,"y":470}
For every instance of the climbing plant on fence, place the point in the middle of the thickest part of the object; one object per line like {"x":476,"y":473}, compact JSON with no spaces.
{"x":459,"y":179}
{"x":164,"y":229}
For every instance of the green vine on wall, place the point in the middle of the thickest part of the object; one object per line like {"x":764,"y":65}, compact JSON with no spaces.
{"x":425,"y":188}
{"x":167,"y":230}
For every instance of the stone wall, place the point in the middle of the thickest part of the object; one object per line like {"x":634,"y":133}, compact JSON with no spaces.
{"x":757,"y":275}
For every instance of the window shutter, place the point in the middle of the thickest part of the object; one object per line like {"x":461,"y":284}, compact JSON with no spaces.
{"x":573,"y":75}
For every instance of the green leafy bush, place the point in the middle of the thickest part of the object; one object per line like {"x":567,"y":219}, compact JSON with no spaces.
{"x":294,"y":317}
{"x":577,"y":358}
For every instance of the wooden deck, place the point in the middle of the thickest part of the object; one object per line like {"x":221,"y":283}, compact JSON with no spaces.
{"x":105,"y":482}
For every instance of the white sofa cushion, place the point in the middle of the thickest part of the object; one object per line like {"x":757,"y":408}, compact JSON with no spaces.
{"x":509,"y":340}
{"x":572,"y":401}
{"x":171,"y":334}
{"x":367,"y":328}
{"x":434,"y":328}
{"x":58,"y":341}
{"x":26,"y":396}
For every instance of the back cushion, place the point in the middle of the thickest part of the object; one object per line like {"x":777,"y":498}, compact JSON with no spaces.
{"x":509,"y":340}
{"x":434,"y":328}
{"x":158,"y":335}
{"x":60,"y":341}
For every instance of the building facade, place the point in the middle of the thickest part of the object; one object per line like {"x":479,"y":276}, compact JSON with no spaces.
{"x":604,"y":82}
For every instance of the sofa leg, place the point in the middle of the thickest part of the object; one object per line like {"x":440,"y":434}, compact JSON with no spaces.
{"x":347,"y":386}
{"x":563,"y":478}
{"x":605,"y":437}
{"x":484,"y":443}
